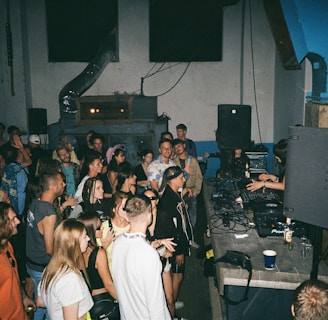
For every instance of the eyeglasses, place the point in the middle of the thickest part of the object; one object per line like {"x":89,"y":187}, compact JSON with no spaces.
{"x":152,"y":198}
{"x":10,"y":259}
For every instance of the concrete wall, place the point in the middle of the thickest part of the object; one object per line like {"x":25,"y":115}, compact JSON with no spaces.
{"x":12,"y":79}
{"x":250,"y":75}
{"x":289,"y":99}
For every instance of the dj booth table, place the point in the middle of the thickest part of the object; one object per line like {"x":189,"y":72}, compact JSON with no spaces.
{"x":270,"y":293}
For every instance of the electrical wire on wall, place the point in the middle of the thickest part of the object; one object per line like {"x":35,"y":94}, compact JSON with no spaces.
{"x":160,"y":69}
{"x":190,"y":31}
{"x":176,"y":83}
{"x":149,"y":74}
{"x":192,"y":55}
{"x":253,"y":70}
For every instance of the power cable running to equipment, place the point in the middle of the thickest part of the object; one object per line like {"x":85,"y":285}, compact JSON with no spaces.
{"x":184,"y":72}
{"x":159,"y":70}
{"x":148,"y":74}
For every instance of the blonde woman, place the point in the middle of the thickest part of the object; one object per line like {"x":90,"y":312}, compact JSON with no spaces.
{"x":63,"y":290}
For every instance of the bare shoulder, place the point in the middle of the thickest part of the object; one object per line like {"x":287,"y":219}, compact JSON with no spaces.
{"x":102,"y":255}
{"x":47,"y":223}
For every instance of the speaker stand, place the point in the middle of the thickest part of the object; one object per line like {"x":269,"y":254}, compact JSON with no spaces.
{"x":317,"y":243}
{"x":233,"y":163}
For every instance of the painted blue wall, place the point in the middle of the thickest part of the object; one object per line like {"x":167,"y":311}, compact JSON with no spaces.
{"x":308,"y":24}
{"x":212,"y":163}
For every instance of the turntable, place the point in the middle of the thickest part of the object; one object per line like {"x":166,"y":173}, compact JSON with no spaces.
{"x":270,"y":221}
{"x":269,"y":208}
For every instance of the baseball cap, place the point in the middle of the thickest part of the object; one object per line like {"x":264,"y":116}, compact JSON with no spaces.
{"x":34,"y":139}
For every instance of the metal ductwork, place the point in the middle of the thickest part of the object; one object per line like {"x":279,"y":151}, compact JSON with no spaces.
{"x":80,"y":84}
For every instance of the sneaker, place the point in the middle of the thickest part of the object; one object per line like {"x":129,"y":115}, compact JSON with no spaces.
{"x":179,"y":305}
{"x":195,"y":245}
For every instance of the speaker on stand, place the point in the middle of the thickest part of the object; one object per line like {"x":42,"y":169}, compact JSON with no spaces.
{"x":234,"y":126}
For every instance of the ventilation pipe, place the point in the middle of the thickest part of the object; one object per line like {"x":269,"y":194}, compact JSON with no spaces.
{"x":80,"y":84}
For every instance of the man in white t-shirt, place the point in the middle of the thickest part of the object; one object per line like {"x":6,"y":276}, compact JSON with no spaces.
{"x":137,"y":267}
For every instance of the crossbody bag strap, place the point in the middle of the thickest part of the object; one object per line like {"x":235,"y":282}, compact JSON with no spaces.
{"x":245,"y":296}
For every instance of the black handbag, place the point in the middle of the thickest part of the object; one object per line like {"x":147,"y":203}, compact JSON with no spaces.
{"x":104,"y":308}
{"x":235,"y":258}
{"x":242,"y":260}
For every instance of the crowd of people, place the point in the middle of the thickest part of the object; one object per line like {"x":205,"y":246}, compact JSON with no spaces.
{"x":88,"y":231}
{"x":84,"y":235}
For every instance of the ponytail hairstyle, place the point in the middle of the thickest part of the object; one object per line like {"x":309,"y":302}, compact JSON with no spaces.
{"x":116,"y":202}
{"x":124,"y":172}
{"x":113,"y":163}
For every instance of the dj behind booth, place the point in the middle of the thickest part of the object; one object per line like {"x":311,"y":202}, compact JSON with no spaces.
{"x":244,"y":174}
{"x":276,"y":182}
{"x":245,"y":212}
{"x":251,"y":223}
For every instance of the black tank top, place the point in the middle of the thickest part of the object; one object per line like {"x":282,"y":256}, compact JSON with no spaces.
{"x":94,"y":277}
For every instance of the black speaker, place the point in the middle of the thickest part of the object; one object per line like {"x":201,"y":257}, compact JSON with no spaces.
{"x":306,"y":189}
{"x":37,"y":120}
{"x":234,"y":126}
{"x":197,"y":38}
